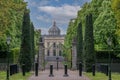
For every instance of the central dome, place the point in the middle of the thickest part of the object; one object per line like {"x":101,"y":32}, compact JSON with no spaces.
{"x":54,"y":30}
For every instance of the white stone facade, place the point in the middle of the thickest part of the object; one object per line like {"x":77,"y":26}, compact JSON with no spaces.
{"x":53,"y":42}
{"x":52,"y":45}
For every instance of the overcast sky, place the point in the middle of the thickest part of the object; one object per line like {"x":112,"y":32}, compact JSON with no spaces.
{"x":44,"y":12}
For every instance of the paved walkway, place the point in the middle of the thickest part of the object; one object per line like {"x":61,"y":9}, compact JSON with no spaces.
{"x":58,"y":75}
{"x":60,"y":65}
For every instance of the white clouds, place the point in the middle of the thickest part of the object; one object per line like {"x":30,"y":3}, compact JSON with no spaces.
{"x":43,"y":12}
{"x":43,"y":18}
{"x":61,"y":14}
{"x":65,"y":10}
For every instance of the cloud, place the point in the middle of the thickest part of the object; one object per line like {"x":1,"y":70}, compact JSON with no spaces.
{"x":62,"y":14}
{"x":44,"y":2}
{"x":43,"y":18}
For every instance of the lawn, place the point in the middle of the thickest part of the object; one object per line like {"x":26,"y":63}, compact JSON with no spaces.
{"x":17,"y":76}
{"x":101,"y":76}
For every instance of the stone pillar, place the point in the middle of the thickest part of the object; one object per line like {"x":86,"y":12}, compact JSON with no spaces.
{"x":74,"y":54}
{"x":41,"y":55}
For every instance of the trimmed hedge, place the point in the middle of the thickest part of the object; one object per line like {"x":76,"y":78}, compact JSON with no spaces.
{"x":15,"y":52}
{"x":13,"y":55}
{"x":3,"y":54}
{"x":102,"y":56}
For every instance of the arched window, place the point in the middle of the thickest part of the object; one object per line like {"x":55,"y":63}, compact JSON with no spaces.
{"x":48,"y":53}
{"x":54,"y":52}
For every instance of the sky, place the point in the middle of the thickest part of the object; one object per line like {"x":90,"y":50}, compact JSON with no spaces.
{"x":44,"y":12}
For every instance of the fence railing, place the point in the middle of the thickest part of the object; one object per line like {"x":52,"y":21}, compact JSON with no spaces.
{"x":3,"y":66}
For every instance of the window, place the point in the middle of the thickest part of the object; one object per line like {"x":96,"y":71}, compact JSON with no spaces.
{"x":60,"y":53}
{"x":54,"y":52}
{"x":54,"y":44}
{"x":48,"y":53}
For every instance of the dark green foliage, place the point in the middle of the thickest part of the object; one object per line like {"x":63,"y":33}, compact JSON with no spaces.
{"x":89,"y":44}
{"x":32,"y":42}
{"x":79,"y":43}
{"x":25,"y":51}
{"x":3,"y":54}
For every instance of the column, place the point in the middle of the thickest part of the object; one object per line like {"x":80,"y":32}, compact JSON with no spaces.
{"x":74,"y":54}
{"x":41,"y":55}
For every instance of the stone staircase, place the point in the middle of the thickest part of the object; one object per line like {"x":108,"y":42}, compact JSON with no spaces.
{"x":60,"y":65}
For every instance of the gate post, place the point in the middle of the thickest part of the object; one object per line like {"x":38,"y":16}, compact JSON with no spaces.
{"x":36,"y":69}
{"x":23,"y":69}
{"x":93,"y":69}
{"x":80,"y":69}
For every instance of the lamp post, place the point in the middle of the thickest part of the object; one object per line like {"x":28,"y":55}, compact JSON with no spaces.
{"x":71,"y":56}
{"x":109,"y":42}
{"x":57,"y":58}
{"x":44,"y":57}
{"x":8,"y":43}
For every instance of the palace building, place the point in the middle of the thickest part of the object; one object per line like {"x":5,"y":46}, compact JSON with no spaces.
{"x":53,"y":43}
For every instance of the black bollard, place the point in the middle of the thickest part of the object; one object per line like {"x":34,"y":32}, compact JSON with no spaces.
{"x":51,"y":71}
{"x":106,"y":70}
{"x":11,"y":70}
{"x":36,"y":69}
{"x":80,"y":69}
{"x":23,"y":69}
{"x":93,"y":69}
{"x":65,"y":69}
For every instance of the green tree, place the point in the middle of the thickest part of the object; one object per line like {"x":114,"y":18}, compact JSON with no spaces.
{"x":37,"y":35}
{"x":25,"y":51}
{"x":95,"y":8}
{"x":89,"y":44}
{"x":105,"y":25}
{"x":68,"y":39}
{"x":32,"y":42}
{"x":11,"y":15}
{"x":73,"y":26}
{"x":116,"y":9}
{"x":79,"y":43}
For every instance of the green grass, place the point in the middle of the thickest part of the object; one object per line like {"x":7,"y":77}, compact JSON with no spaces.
{"x":17,"y":76}
{"x":101,"y":76}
